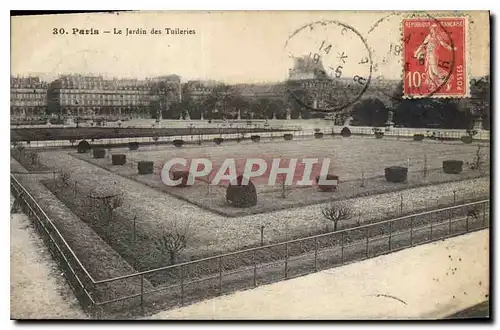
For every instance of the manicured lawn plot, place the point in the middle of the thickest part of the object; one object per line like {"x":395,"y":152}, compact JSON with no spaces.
{"x":349,"y":159}
{"x":156,"y":212}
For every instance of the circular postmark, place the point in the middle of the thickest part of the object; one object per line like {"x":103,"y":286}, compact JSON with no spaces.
{"x":330,"y":66}
{"x":420,"y":59}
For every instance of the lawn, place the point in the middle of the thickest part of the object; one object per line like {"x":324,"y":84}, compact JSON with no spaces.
{"x":359,"y":162}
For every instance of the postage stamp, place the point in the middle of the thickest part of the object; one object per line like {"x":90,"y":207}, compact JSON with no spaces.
{"x":435,"y":57}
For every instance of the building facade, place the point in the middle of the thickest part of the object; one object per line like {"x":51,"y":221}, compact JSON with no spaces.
{"x":28,"y":97}
{"x":97,"y":97}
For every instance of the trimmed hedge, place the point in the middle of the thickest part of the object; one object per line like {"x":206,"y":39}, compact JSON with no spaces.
{"x":118,"y":159}
{"x":83,"y":147}
{"x":396,"y":173}
{"x":452,"y":166}
{"x":345,"y":132}
{"x":184,"y":175}
{"x":418,"y":137}
{"x":466,"y":139}
{"x":328,"y":187}
{"x":218,"y":140}
{"x":99,"y":153}
{"x":133,"y":145}
{"x":241,"y":195}
{"x":318,"y":135}
{"x":255,"y":138}
{"x":178,"y":143}
{"x":145,"y":167}
{"x":288,"y":136}
{"x":379,"y":135}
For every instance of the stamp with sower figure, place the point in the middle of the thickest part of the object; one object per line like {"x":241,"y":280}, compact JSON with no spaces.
{"x":435,"y":57}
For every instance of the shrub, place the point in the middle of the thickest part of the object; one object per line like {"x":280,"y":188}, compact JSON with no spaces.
{"x":379,"y":135}
{"x":145,"y":167}
{"x":133,"y":145}
{"x":218,"y":140}
{"x":255,"y":138}
{"x":184,"y":175}
{"x":99,"y":153}
{"x":318,"y":135}
{"x":118,"y":159}
{"x":345,"y":132}
{"x":328,"y":187}
{"x":288,"y":136}
{"x":452,"y":166}
{"x":241,"y":195}
{"x":396,"y":173}
{"x":418,"y":137}
{"x":83,"y":147}
{"x":317,"y":130}
{"x":466,"y":139}
{"x":178,"y":143}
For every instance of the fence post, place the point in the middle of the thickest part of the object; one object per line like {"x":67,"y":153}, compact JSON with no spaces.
{"x":286,"y":260}
{"x":220,"y":276}
{"x":484,"y":215}
{"x":390,"y":236}
{"x":367,"y":240}
{"x":449,"y":222}
{"x":254,"y":269}
{"x":466,"y":223}
{"x":342,"y":248}
{"x":182,"y":285}
{"x":431,"y":229}
{"x":315,"y":254}
{"x":411,"y":231}
{"x":142,"y":294}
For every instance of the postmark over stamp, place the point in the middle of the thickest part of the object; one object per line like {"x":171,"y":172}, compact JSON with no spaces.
{"x":435,"y":57}
{"x":332,"y":66}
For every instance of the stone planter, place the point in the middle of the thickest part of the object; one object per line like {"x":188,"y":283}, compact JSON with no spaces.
{"x":99,"y":153}
{"x":418,"y":137}
{"x":145,"y":167}
{"x":118,"y":159}
{"x":318,"y":135}
{"x":133,"y":145}
{"x":178,"y":143}
{"x":452,"y":166}
{"x":255,"y":138}
{"x":396,"y":174}
{"x":466,"y":139}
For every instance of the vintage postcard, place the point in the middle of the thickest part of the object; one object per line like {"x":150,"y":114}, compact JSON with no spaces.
{"x":250,"y":165}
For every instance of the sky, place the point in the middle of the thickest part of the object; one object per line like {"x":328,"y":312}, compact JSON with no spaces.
{"x":234,"y":47}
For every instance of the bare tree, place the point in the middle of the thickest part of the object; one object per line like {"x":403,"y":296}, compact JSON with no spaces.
{"x":173,"y":241}
{"x":336,"y":212}
{"x":478,"y":160}
{"x":34,"y":158}
{"x":105,"y":206}
{"x":64,"y":178}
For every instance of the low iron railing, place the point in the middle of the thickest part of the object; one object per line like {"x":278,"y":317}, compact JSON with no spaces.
{"x":187,"y":282}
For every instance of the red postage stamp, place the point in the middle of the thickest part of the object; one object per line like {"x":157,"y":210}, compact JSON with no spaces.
{"x":435,"y":57}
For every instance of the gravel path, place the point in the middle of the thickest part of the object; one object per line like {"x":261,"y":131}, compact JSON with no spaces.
{"x":212,"y":233}
{"x":38,"y":289}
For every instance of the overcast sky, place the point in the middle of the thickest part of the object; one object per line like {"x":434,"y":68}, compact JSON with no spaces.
{"x":235,"y":47}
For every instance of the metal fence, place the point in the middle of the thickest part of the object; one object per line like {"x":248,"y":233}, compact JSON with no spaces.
{"x":192,"y":281}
